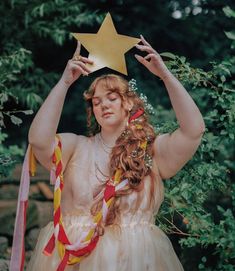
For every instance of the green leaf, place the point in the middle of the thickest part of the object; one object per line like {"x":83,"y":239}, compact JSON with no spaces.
{"x":3,"y":98}
{"x":41,"y":10}
{"x":229,"y":12}
{"x":169,"y":55}
{"x":204,"y":259}
{"x":28,"y":112}
{"x":223,"y":78}
{"x":201,"y":266}
{"x":230,"y":35}
{"x":16,"y":120}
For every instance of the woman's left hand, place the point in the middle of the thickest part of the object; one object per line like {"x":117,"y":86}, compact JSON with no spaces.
{"x":152,"y":61}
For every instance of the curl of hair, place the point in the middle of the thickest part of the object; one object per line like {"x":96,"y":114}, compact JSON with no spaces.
{"x":127,"y":154}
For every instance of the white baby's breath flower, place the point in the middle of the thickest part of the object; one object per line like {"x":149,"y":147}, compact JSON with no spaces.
{"x":147,"y":106}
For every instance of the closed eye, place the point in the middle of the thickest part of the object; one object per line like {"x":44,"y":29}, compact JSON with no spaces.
{"x":95,"y":102}
{"x":112,"y":96}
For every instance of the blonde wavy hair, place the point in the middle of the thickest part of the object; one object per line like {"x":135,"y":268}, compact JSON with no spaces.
{"x":126,"y":154}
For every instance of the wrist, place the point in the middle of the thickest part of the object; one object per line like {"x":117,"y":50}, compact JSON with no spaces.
{"x":166,"y":75}
{"x":64,"y":84}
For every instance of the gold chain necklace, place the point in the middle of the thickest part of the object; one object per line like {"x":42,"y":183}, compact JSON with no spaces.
{"x":99,"y":173}
{"x":104,"y":146}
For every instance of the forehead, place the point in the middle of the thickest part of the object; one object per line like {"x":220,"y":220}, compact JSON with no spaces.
{"x":102,"y":89}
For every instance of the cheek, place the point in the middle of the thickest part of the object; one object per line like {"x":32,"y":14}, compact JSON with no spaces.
{"x":118,"y":105}
{"x":96,"y":111}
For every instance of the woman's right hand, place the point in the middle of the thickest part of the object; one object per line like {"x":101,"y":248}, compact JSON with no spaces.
{"x":75,"y":67}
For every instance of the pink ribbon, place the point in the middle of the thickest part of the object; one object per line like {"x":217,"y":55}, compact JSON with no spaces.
{"x":18,"y":250}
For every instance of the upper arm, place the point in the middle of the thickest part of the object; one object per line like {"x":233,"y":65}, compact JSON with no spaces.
{"x":44,"y":156}
{"x":172,"y":152}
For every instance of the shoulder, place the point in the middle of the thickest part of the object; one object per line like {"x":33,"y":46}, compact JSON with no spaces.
{"x":72,"y":140}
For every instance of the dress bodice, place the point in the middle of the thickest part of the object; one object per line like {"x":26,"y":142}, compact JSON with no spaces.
{"x":84,"y":178}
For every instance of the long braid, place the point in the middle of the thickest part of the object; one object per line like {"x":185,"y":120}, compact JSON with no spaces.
{"x":133,"y":150}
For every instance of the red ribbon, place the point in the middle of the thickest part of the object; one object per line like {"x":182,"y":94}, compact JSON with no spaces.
{"x":136,"y":115}
{"x":109,"y":192}
{"x":62,"y":237}
{"x":50,"y":246}
{"x":57,"y":216}
{"x":86,"y":250}
{"x":25,"y":204}
{"x":64,"y":261}
{"x":58,"y":169}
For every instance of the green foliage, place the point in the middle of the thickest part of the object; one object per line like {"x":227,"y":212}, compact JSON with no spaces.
{"x":11,"y":66}
{"x":187,"y":210}
{"x":8,"y":156}
{"x":52,"y":19}
{"x":231,"y":14}
{"x":199,"y":204}
{"x":22,"y":82}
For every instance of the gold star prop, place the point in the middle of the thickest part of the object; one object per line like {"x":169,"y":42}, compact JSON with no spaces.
{"x":107,"y":48}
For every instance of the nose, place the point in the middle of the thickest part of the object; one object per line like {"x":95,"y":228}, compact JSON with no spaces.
{"x":104,"y":104}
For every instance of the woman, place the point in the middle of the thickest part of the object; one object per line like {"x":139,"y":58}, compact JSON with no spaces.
{"x":126,"y":155}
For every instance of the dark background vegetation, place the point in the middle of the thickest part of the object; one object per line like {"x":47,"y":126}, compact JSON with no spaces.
{"x":197,"y":38}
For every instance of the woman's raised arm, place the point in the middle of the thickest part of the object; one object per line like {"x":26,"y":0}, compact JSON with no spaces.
{"x":172,"y":151}
{"x":44,"y":126}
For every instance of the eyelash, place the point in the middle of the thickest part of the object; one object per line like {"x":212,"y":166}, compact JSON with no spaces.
{"x":110,"y":99}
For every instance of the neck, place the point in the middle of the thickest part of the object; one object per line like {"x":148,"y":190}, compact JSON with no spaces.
{"x":110,"y":136}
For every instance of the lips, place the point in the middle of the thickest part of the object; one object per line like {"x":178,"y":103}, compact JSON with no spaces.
{"x":106,"y":114}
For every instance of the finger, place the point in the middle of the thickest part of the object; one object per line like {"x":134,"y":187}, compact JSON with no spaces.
{"x":78,"y":49}
{"x":149,"y":56}
{"x":86,"y":60}
{"x":75,"y":67}
{"x":82,"y":59}
{"x":144,"y":41}
{"x":79,"y":63}
{"x":142,"y":60}
{"x":145,"y":48}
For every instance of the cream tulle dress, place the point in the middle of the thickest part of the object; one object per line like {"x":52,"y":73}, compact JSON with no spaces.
{"x":134,"y":244}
